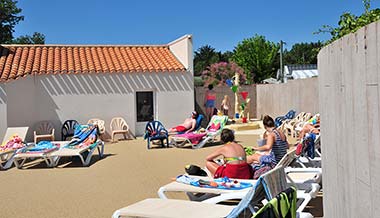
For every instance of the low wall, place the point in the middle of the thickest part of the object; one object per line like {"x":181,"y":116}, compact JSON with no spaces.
{"x":220,"y":93}
{"x":278,"y":99}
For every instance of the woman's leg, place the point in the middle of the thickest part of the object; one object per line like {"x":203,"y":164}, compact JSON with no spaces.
{"x":212,"y":166}
{"x":254,"y":158}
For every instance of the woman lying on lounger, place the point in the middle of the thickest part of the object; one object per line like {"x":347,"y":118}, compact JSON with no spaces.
{"x":235,"y":164}
{"x":275,"y":147}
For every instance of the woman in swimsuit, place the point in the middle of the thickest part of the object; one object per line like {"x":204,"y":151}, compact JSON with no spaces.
{"x":235,"y":164}
{"x":275,"y":148}
{"x":209,"y":101}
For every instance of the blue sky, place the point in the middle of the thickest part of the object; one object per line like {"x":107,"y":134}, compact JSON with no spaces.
{"x":219,"y":23}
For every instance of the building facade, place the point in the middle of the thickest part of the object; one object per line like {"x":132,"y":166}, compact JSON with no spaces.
{"x":62,"y":82}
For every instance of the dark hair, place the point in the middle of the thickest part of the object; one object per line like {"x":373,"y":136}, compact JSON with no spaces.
{"x":268,"y":121}
{"x":210,"y":86}
{"x":194,"y":114}
{"x":227,"y":136}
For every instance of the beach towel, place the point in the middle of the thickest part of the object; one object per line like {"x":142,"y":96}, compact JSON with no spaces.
{"x":236,"y":171}
{"x":220,"y":183}
{"x":15,"y":142}
{"x":42,"y":146}
{"x":194,"y":138}
{"x":85,"y":135}
{"x":282,"y":206}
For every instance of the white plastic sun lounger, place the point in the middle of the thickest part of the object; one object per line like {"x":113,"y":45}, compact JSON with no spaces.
{"x":79,"y":152}
{"x":267,"y":187}
{"x":7,"y":157}
{"x":21,"y":158}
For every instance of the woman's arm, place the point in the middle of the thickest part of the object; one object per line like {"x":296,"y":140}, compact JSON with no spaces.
{"x":268,"y":145}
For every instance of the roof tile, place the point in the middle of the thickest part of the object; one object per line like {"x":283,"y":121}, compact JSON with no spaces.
{"x":20,"y":60}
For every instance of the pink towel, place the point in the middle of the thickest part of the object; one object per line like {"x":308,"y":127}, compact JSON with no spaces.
{"x":193,"y":137}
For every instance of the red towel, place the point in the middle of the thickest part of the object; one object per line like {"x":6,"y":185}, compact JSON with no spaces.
{"x":236,"y":171}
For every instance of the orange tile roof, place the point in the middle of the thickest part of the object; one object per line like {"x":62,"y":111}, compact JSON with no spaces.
{"x":22,"y":60}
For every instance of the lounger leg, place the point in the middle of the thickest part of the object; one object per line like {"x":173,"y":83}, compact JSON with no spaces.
{"x":88,"y":159}
{"x":9,"y":162}
{"x":18,"y":164}
{"x":101,"y":149}
{"x":48,"y":161}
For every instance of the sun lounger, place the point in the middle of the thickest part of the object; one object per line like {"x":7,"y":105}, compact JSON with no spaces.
{"x":30,"y":154}
{"x":268,"y":186}
{"x":198,"y":140}
{"x":7,"y":154}
{"x":84,"y":153}
{"x":83,"y":145}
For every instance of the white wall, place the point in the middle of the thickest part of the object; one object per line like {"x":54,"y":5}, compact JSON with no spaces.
{"x":3,"y":111}
{"x":83,"y":96}
{"x":350,"y":116}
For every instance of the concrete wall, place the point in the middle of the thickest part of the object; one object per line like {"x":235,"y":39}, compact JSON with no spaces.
{"x":220,"y":92}
{"x":349,"y":101}
{"x":3,"y":111}
{"x":61,"y":97}
{"x":278,"y":99}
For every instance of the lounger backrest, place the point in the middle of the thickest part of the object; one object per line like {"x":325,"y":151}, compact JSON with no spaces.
{"x":199,"y":121}
{"x":222,"y":120}
{"x":11,"y":131}
{"x":267,"y":186}
{"x":288,"y":158}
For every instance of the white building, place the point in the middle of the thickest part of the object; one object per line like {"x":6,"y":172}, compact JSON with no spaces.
{"x":61,"y":82}
{"x":300,"y":71}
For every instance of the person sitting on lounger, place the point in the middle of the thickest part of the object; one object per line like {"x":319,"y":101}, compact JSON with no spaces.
{"x":235,"y":164}
{"x":311,"y":126}
{"x":188,"y":125}
{"x":275,"y":147}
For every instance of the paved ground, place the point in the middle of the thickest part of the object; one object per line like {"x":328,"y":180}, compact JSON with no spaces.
{"x":128,"y":173}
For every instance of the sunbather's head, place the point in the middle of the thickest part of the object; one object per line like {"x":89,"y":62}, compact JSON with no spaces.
{"x":268,"y":122}
{"x":227,"y":135}
{"x":194,"y":115}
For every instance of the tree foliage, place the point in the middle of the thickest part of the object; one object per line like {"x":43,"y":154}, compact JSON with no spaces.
{"x":303,"y":53}
{"x":205,"y":56}
{"x":9,"y":17}
{"x":217,"y":73}
{"x":349,"y":23}
{"x":257,"y":57}
{"x":36,"y":38}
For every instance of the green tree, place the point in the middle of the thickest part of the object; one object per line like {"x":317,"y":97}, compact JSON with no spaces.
{"x":349,"y":23}
{"x":303,"y":53}
{"x":9,"y":17}
{"x":204,"y":57}
{"x":36,"y":38}
{"x":257,"y":57}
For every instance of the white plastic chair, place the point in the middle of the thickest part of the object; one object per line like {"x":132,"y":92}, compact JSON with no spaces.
{"x":44,"y":130}
{"x":119,"y":126}
{"x":100,"y":123}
